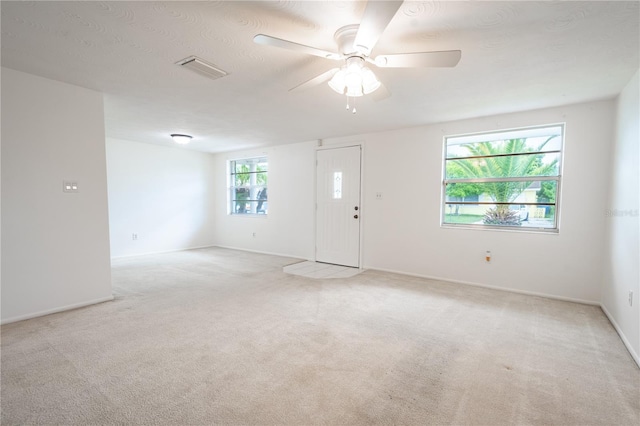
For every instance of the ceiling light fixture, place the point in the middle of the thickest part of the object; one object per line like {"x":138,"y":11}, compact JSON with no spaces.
{"x":181,"y":139}
{"x":354,"y":79}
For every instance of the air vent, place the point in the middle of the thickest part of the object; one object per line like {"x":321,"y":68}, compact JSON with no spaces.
{"x":202,"y":67}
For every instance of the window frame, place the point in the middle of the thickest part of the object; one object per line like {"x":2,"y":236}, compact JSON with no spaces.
{"x":493,"y":136}
{"x":252,"y":187}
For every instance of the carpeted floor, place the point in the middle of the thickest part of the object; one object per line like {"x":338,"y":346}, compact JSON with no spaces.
{"x":216,"y":336}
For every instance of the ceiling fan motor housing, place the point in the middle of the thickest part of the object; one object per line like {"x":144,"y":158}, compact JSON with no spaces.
{"x":345,"y":38}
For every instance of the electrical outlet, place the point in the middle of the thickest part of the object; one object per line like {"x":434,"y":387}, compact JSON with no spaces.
{"x":378,"y":195}
{"x":254,"y":235}
{"x":69,"y":186}
{"x":630,"y":298}
{"x":134,"y":237}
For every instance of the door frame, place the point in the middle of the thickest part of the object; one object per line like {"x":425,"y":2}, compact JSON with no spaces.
{"x":322,"y":147}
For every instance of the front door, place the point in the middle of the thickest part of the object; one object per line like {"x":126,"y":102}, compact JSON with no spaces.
{"x":338,"y":206}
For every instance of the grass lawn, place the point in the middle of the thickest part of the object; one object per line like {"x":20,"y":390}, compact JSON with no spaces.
{"x":462,"y":218}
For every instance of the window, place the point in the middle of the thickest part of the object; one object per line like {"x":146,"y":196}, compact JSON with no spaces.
{"x":248,"y":186}
{"x":508,"y":179}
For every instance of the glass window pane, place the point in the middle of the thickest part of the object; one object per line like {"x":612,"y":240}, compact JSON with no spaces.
{"x":240,"y":207}
{"x":337,"y":185}
{"x":248,"y":186}
{"x":262,"y":194}
{"x":521,"y":216}
{"x":262,"y":166}
{"x":465,"y":146}
{"x":503,"y":192}
{"x":504,"y":166}
{"x":241,"y":180}
{"x":240,"y":167}
{"x":262,"y":207}
{"x":261,"y":178}
{"x":250,"y":207}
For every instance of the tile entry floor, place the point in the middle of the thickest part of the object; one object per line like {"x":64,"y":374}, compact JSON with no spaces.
{"x":320,"y":270}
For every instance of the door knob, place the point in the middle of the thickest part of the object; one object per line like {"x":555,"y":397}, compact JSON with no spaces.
{"x":355,"y":216}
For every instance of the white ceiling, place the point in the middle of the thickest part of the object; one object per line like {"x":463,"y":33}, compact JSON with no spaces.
{"x":516,"y":55}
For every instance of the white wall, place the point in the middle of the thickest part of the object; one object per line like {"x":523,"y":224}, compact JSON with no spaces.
{"x":288,"y":229}
{"x":402,"y":231}
{"x":55,"y":245}
{"x":164,"y":195}
{"x":622,"y":271}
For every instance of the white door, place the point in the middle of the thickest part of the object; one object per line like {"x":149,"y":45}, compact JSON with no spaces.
{"x":338,"y":206}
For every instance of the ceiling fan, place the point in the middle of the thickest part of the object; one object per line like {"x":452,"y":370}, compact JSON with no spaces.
{"x":355,"y":44}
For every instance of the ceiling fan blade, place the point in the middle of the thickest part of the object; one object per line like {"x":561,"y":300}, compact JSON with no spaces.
{"x":375,"y":19}
{"x":325,"y":76}
{"x":285,"y":44}
{"x":447,"y":58}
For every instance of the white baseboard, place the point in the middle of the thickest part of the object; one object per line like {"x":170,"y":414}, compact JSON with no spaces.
{"x":510,"y":290}
{"x":56,"y":310}
{"x":624,"y":339}
{"x":126,"y":256}
{"x":264,"y":252}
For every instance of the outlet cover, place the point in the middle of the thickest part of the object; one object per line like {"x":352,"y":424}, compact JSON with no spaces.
{"x":69,"y":186}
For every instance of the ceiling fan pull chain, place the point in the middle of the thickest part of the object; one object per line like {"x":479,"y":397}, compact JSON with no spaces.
{"x":351,"y":101}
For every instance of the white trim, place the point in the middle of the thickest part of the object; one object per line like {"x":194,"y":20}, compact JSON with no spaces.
{"x":56,"y":310}
{"x":508,"y":133}
{"x":211,"y":246}
{"x":510,"y":290}
{"x":523,"y":229}
{"x":359,"y":141}
{"x":363,"y":206}
{"x":624,"y":339}
{"x":125,"y":256}
{"x":265,"y":252}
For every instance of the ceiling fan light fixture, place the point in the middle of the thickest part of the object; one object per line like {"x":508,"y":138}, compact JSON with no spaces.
{"x":353,"y":82}
{"x":354,"y":79}
{"x":354,"y":91}
{"x":181,"y":139}
{"x":337,"y":81}
{"x":370,"y":82}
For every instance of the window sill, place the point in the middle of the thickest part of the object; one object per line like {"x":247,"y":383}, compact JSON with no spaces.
{"x":525,"y":229}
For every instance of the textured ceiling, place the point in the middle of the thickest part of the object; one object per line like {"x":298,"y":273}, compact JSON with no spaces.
{"x":516,"y":56}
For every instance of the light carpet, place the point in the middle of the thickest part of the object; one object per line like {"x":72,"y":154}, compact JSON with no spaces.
{"x":216,"y":336}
